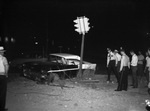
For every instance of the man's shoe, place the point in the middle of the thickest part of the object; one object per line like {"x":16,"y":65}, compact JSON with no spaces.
{"x":4,"y":109}
{"x":117,"y":90}
{"x":108,"y":82}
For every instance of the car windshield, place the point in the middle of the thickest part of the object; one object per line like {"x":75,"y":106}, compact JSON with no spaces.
{"x":74,"y":61}
{"x":56,"y":59}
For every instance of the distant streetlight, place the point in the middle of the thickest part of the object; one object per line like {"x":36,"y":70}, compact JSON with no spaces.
{"x":12,"y":40}
{"x":6,"y":39}
{"x":147,"y":34}
{"x":36,"y":43}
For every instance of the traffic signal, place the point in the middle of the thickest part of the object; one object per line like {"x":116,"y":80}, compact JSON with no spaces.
{"x":77,"y":25}
{"x":82,"y":25}
{"x":86,"y":24}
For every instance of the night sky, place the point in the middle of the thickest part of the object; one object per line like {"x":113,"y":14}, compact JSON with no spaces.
{"x":114,"y":24}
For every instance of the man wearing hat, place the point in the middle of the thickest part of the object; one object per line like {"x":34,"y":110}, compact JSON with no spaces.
{"x":3,"y":79}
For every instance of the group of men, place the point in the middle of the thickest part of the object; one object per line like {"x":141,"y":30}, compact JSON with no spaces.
{"x":120,"y":63}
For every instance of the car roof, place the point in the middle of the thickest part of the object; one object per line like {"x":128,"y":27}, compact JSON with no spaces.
{"x":66,"y":55}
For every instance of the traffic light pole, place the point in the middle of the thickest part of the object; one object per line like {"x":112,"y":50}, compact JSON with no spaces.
{"x":82,"y":26}
{"x":81,"y":55}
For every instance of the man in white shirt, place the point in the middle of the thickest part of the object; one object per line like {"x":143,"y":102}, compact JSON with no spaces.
{"x":124,"y":67}
{"x":134,"y":63}
{"x":118,"y":61}
{"x":3,"y":79}
{"x":111,"y":64}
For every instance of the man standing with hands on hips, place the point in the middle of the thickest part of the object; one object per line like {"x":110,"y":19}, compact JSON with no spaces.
{"x":3,"y":79}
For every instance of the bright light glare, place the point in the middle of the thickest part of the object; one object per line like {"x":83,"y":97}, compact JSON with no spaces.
{"x":36,"y":43}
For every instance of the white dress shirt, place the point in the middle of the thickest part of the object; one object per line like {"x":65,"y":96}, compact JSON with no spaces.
{"x":134,"y":60}
{"x":147,"y":61}
{"x":118,"y":56}
{"x":124,"y":62}
{"x":3,"y":62}
{"x":111,"y":56}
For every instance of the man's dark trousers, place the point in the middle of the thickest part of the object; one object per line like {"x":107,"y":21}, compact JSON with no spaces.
{"x":118,"y":66}
{"x":147,"y":74}
{"x":112,"y":68}
{"x":123,"y":83}
{"x":134,"y":76}
{"x":3,"y":90}
{"x":140,"y":71}
{"x":118,"y":70}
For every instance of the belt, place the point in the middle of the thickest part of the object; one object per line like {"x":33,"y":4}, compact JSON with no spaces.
{"x":112,"y":59}
{"x":140,"y":60}
{"x":133,"y":66}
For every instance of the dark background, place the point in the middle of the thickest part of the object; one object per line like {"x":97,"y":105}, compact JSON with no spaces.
{"x":114,"y":24}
